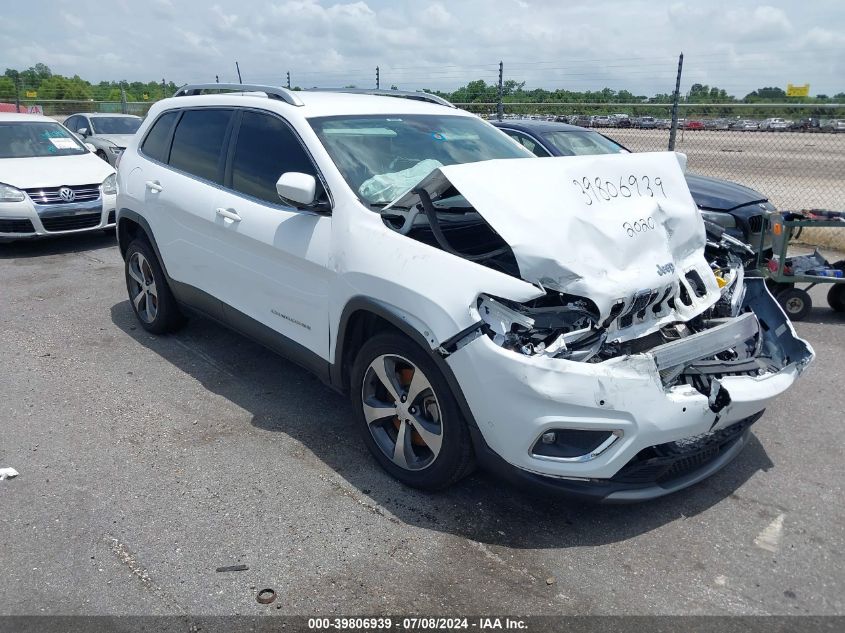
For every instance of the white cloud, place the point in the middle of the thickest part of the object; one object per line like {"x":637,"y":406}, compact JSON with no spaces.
{"x":826,"y":38}
{"x":631,"y":44}
{"x":763,"y":23}
{"x":436,"y":16}
{"x":163,"y":9}
{"x":73,"y":20}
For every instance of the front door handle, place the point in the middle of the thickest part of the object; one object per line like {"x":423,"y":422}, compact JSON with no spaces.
{"x":154,"y":186}
{"x":229,"y":213}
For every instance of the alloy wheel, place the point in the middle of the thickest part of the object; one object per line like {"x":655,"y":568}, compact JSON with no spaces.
{"x":142,"y":287}
{"x":402,"y":412}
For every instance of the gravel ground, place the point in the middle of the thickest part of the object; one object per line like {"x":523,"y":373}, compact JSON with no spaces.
{"x":146,"y":462}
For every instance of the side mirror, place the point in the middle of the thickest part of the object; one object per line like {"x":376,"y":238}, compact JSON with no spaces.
{"x":83,"y":131}
{"x":91,"y":148}
{"x":297,"y":187}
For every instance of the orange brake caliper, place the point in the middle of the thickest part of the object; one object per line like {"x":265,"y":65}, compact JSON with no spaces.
{"x":405,"y":377}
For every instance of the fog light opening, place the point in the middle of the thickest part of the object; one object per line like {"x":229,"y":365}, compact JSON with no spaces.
{"x":573,"y":445}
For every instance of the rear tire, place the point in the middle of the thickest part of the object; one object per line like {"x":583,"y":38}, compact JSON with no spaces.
{"x":836,"y":297}
{"x":417,"y":411}
{"x":149,"y":294}
{"x":796,"y":303}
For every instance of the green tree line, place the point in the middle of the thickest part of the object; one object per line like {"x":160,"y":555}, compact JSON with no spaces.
{"x":562,"y":101}
{"x":479,"y":91}
{"x":46,"y":85}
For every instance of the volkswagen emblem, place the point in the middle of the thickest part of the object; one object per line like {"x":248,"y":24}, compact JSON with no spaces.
{"x":67,"y":194}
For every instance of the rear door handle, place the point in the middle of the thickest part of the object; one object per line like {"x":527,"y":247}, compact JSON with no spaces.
{"x":229,"y":213}
{"x":154,"y":186}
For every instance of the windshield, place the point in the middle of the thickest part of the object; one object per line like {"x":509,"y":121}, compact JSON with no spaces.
{"x":115,"y":124}
{"x":583,"y":143}
{"x":29,"y":139}
{"x":381,"y":157}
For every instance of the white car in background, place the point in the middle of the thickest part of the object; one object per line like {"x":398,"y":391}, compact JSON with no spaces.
{"x":775,"y":124}
{"x":108,"y":133}
{"x":50,"y":183}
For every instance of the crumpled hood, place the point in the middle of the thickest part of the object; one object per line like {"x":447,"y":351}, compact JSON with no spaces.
{"x":611,"y":248}
{"x":121,"y":140}
{"x":54,"y":171}
{"x":721,"y":195}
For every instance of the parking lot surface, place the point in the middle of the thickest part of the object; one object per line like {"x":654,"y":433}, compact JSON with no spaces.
{"x":146,"y":462}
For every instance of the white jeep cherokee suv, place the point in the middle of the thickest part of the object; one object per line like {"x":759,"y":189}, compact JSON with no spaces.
{"x":568,"y":320}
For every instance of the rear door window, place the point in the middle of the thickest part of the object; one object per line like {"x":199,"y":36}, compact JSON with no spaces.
{"x":198,"y":143}
{"x":157,"y":143}
{"x":265,"y":149}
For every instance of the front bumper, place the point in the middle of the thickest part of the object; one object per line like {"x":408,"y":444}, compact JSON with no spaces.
{"x":683,"y":472}
{"x":514,"y":399}
{"x":28,"y":220}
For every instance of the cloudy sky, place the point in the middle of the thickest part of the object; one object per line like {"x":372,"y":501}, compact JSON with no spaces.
{"x":632,"y":44}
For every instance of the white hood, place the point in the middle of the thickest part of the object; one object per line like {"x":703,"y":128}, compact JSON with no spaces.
{"x":54,"y":171}
{"x":594,"y":244}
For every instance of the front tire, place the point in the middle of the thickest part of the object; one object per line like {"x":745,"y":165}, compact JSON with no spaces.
{"x":407,"y":414}
{"x":149,"y":294}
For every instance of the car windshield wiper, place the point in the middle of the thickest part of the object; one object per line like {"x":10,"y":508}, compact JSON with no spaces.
{"x":381,"y":205}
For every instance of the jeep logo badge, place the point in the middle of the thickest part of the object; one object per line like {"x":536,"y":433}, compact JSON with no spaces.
{"x":665,"y":269}
{"x":67,"y":194}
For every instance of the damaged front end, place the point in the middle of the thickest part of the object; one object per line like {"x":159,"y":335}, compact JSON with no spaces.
{"x":632,"y":271}
{"x":743,"y":333}
{"x":646,"y":334}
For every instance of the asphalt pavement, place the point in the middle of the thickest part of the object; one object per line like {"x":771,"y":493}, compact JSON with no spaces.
{"x":147,"y":462}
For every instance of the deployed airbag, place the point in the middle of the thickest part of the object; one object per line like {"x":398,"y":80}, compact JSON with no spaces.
{"x":386,"y":187}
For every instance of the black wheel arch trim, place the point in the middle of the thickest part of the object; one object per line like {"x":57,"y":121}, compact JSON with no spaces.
{"x":400,"y":320}
{"x":129,"y":214}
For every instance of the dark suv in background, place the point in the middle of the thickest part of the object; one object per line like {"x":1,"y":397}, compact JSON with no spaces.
{"x":740,"y":210}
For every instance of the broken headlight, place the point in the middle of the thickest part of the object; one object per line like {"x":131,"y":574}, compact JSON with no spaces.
{"x":558,"y":326}
{"x":726,"y":260}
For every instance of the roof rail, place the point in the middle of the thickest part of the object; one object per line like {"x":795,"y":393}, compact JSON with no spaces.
{"x":272,"y":92}
{"x":402,"y":94}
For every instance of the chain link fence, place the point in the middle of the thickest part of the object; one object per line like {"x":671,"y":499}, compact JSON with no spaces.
{"x":61,"y":109}
{"x":58,"y":96}
{"x":795,"y":156}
